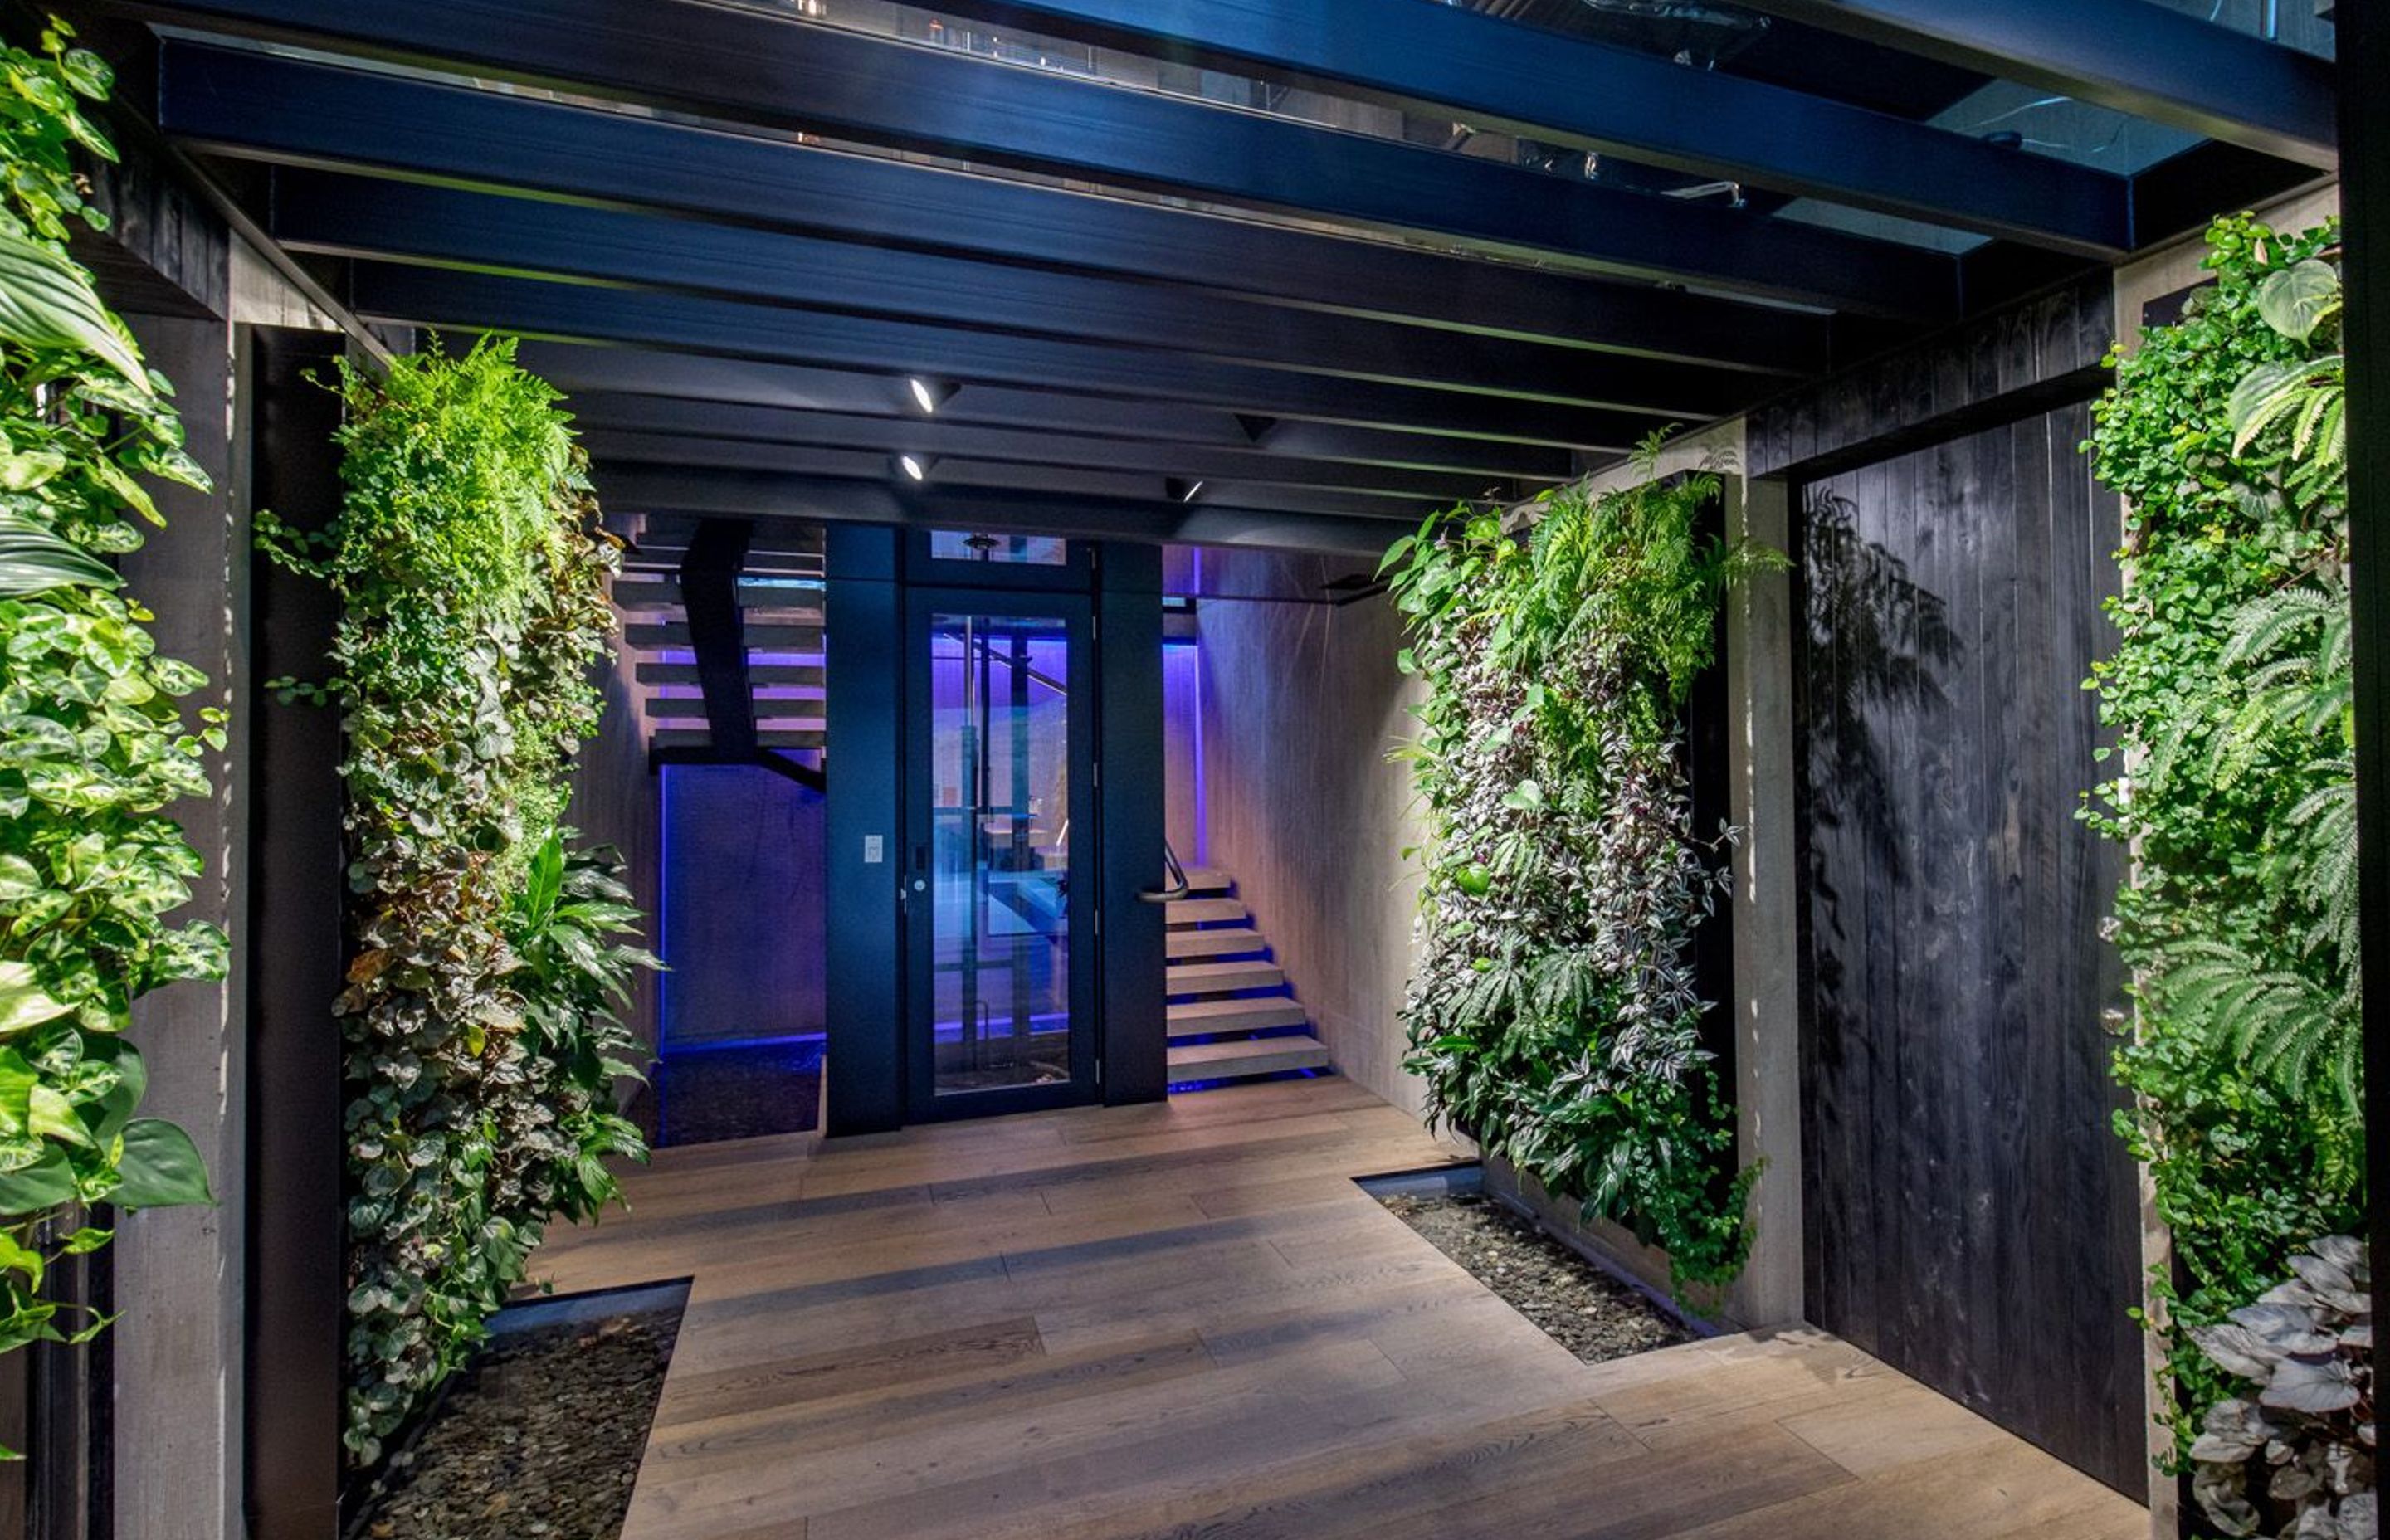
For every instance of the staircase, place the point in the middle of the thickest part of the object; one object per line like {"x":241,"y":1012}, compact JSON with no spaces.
{"x":779,"y":591}
{"x":1232,"y":1015}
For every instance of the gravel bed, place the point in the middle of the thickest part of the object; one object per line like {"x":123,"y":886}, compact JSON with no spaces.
{"x":1576,"y":1303}
{"x":702,"y":1095}
{"x":540,"y":1436}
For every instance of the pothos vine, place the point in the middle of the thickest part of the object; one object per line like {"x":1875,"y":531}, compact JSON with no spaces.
{"x":1554,"y":1011}
{"x":93,"y":739}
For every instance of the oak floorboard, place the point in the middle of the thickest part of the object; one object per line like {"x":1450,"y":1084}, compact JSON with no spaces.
{"x":1183,"y":1321}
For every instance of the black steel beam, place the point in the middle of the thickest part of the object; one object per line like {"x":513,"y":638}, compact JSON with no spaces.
{"x":717,"y":630}
{"x":609,"y":448}
{"x":676,"y":382}
{"x":706,"y":425}
{"x":1498,"y":75}
{"x":747,"y":67}
{"x":352,"y":216}
{"x":757,"y":494}
{"x":419,"y":296}
{"x":298,"y":113}
{"x":2365,"y":332}
{"x":2131,"y":55}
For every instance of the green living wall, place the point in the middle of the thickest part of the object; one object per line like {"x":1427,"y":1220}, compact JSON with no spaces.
{"x":482,"y":1045}
{"x":94,"y":740}
{"x":1554,"y":1012}
{"x":2234,"y":788}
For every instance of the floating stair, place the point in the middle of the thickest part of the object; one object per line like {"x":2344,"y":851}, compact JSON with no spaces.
{"x":1232,"y":1014}
{"x":779,"y":592}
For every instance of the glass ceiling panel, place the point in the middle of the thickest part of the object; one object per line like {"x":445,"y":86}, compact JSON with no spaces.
{"x":1668,"y":34}
{"x":2293,"y":23}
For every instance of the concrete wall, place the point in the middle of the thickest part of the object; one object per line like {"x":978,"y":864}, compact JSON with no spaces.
{"x":179,"y":1272}
{"x":1301,"y":701}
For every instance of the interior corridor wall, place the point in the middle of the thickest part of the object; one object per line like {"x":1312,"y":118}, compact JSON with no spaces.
{"x":1300,"y":704}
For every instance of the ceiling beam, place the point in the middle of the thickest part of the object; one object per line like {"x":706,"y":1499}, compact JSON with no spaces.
{"x":682,"y":382}
{"x":769,"y":70}
{"x":709,"y":427}
{"x":1498,"y":74}
{"x":475,"y":302}
{"x":757,"y":494}
{"x":2134,"y":56}
{"x":352,"y":216}
{"x":238,"y":102}
{"x":1130,"y":484}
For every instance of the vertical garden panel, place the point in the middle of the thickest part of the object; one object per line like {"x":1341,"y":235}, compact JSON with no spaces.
{"x":1971,"y":1219}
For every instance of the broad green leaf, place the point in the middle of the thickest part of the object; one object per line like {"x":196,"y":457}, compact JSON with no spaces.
{"x":2299,"y":298}
{"x":51,"y":1115}
{"x":23,"y":1003}
{"x":47,"y":303}
{"x":116,"y":1108}
{"x":46,"y":1184}
{"x":34,"y":559}
{"x":161,"y":1168}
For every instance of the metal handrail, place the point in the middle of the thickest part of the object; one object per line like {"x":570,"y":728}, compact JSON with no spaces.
{"x":1178,"y":887}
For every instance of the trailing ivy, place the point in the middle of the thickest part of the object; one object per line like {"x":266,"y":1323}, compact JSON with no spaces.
{"x":482,"y":1045}
{"x":2229,"y":692}
{"x":1554,"y":1011}
{"x":94,"y":740}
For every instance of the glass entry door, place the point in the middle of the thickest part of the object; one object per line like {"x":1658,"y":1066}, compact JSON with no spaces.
{"x":1000,"y":890}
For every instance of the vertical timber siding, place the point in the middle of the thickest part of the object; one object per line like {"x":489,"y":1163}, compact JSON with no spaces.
{"x":1971,"y":1216}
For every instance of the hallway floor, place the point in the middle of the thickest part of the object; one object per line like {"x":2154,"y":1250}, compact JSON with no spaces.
{"x":1185,"y":1319}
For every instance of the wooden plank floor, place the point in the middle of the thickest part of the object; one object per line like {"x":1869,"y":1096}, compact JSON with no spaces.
{"x":1185,"y":1320}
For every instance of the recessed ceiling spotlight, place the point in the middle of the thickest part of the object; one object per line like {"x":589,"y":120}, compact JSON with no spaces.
{"x":929,"y":394}
{"x":915,"y":466}
{"x":1189,"y":495}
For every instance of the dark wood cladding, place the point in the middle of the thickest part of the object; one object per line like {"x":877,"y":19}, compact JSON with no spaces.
{"x":2042,"y":353}
{"x":1971,"y":1216}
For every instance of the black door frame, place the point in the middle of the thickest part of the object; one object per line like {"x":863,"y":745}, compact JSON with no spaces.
{"x":1086,"y":854}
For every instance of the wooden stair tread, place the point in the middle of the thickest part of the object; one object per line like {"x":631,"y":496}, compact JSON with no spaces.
{"x":1229,"y":1010}
{"x":1255,"y":1057}
{"x":1227,"y":942}
{"x":772,"y":638}
{"x":1203,"y":881}
{"x":1218,"y":977}
{"x":1246,"y":1017}
{"x":699,"y":737}
{"x":761,"y":675}
{"x":1202,"y":911}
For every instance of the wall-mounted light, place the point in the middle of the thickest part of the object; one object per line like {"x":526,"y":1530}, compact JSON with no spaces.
{"x":916,"y":468}
{"x":929,"y":394}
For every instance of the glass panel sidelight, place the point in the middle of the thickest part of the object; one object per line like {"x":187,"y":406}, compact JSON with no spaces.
{"x":1001,"y":839}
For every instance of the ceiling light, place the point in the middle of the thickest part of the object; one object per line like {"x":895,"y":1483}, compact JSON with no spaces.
{"x":1189,"y":495}
{"x":929,"y":394}
{"x":915,"y":466}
